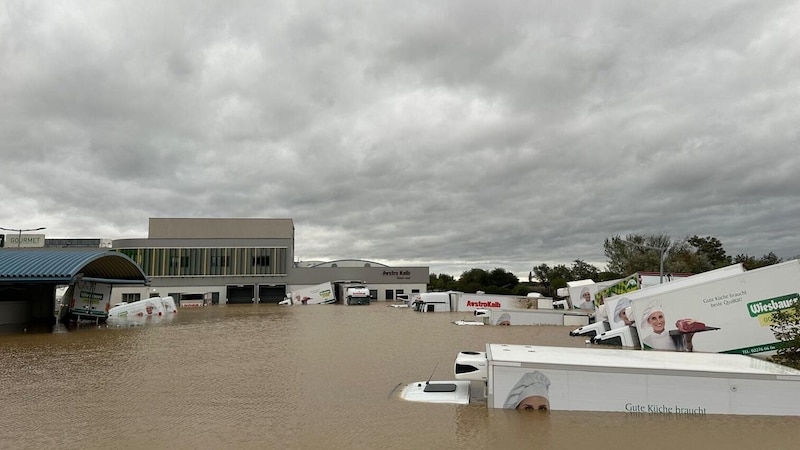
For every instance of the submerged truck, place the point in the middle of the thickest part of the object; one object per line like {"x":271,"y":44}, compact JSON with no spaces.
{"x":728,"y":315}
{"x":495,"y":309}
{"x":618,"y":328}
{"x":86,"y":301}
{"x":578,"y":379}
{"x":557,"y":317}
{"x":455,"y":301}
{"x":352,"y":293}
{"x":319,"y":294}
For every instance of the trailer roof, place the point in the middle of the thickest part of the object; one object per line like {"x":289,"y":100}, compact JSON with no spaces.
{"x":603,"y":359}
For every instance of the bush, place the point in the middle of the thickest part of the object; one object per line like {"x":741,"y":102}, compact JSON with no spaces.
{"x":786,"y":327}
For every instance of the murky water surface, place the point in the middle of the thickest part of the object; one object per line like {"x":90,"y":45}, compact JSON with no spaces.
{"x":304,"y":377}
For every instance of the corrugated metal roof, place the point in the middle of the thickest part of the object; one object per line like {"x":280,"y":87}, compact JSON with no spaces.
{"x":62,"y":266}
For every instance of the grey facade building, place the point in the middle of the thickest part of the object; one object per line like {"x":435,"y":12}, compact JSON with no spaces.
{"x":244,"y":260}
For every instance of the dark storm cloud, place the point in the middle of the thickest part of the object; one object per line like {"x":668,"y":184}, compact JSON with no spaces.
{"x":453,"y":134}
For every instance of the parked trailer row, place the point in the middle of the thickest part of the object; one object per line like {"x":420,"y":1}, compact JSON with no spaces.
{"x":725,"y":311}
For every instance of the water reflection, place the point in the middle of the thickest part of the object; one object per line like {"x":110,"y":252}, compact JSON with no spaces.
{"x":265,"y":376}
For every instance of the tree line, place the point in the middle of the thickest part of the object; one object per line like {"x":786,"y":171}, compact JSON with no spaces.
{"x":625,"y":255}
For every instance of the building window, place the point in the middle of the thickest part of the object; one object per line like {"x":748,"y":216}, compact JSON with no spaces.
{"x":130,"y":298}
{"x":220,"y":261}
{"x":261,"y":261}
{"x":389,"y":294}
{"x":179,"y":261}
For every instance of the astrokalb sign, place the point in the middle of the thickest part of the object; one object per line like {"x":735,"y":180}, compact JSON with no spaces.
{"x":398,"y":274}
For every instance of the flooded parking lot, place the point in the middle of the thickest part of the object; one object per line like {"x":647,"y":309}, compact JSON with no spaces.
{"x":266,"y":376}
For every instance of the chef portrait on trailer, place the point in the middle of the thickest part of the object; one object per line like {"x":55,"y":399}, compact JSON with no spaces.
{"x":531,"y":393}
{"x":655,"y":320}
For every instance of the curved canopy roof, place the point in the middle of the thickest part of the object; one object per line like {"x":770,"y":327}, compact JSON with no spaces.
{"x":65,"y":266}
{"x":349,"y":263}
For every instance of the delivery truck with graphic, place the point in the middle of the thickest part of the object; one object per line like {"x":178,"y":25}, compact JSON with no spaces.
{"x":558,"y":317}
{"x":619,"y":326}
{"x":727,"y":315}
{"x":313,"y":295}
{"x":528,"y":377}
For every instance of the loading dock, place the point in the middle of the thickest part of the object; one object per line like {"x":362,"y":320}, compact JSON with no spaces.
{"x":29,"y":277}
{"x":240,"y":294}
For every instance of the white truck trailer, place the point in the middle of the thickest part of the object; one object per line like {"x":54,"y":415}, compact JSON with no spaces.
{"x":619,"y":328}
{"x":455,"y":301}
{"x":491,"y":307}
{"x":578,"y":379}
{"x":727,"y":315}
{"x":558,"y":317}
{"x":314,"y":295}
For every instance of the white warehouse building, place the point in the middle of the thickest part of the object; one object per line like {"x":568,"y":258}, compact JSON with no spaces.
{"x":244,"y":260}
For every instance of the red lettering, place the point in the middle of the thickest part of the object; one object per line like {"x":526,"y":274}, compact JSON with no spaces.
{"x":479,"y":304}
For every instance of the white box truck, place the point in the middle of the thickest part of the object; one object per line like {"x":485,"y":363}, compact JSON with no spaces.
{"x":620,"y":329}
{"x":556,"y":317}
{"x":314,"y":295}
{"x":86,"y":301}
{"x":663,"y":383}
{"x":534,"y":310}
{"x":727,"y":315}
{"x":351,"y":292}
{"x":652,"y":383}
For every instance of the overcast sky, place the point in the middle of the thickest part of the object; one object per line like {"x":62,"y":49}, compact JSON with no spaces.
{"x":452,"y":134}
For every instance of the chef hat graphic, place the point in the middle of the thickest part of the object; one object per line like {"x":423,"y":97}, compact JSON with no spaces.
{"x":532,"y":383}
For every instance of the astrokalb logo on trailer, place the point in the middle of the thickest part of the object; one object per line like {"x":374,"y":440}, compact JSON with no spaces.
{"x":664,"y":409}
{"x":480,"y":304}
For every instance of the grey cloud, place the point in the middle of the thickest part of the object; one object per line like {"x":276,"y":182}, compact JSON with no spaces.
{"x":456,"y":134}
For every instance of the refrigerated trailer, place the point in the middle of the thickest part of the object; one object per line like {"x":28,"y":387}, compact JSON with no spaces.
{"x":557,"y":317}
{"x":733,"y":314}
{"x":313,"y":295}
{"x":578,"y":379}
{"x":492,"y":309}
{"x":617,"y":329}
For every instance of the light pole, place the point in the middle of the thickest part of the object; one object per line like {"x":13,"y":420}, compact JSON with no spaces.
{"x":19,"y":236}
{"x":662,"y":257}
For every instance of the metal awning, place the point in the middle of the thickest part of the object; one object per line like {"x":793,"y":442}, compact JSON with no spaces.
{"x":64,"y":266}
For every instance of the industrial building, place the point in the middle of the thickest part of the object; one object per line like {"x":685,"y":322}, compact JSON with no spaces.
{"x":244,"y":260}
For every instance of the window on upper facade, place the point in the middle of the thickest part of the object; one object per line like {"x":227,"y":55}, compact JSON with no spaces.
{"x":261,"y":261}
{"x":220,"y":261}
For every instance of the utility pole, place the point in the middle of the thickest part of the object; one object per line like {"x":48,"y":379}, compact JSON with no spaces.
{"x":662,"y":257}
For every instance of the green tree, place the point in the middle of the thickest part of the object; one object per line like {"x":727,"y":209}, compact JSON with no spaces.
{"x":751,"y":262}
{"x":786,"y":327}
{"x":712,"y":249}
{"x":441,"y":282}
{"x":582,"y":270}
{"x":502,"y":280}
{"x":684,"y":257}
{"x":473,"y":280}
{"x":636,"y":252}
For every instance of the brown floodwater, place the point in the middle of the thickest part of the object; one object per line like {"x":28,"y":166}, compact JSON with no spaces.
{"x":304,"y":377}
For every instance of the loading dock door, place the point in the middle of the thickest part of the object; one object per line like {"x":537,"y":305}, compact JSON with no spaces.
{"x":271,"y":294}
{"x":240,"y":294}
